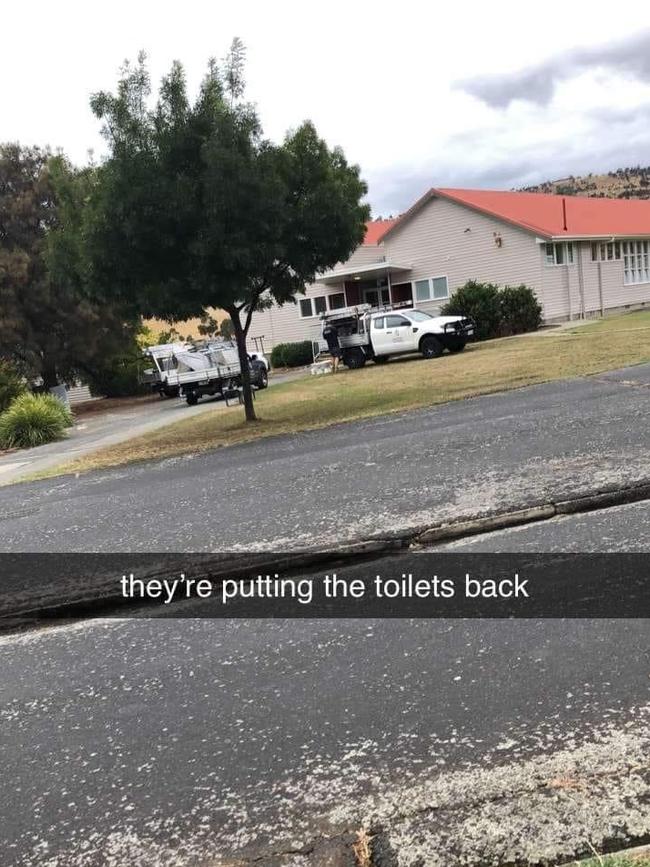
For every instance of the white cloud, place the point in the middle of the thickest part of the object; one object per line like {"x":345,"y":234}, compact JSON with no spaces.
{"x":377,"y":79}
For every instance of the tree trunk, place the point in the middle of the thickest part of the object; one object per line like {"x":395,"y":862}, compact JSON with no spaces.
{"x":240,"y":337}
{"x":48,"y":372}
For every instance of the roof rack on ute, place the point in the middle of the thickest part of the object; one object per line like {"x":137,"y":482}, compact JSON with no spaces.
{"x":346,"y":312}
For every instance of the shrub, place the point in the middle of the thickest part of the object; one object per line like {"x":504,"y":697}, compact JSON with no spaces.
{"x":481,"y":302}
{"x":496,"y":312}
{"x":12,"y":384}
{"x":292,"y":354}
{"x":520,"y":310}
{"x":33,"y":420}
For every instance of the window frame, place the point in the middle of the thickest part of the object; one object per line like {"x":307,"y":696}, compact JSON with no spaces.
{"x":312,"y":306}
{"x":636,"y":262}
{"x":316,"y":299}
{"x":568,"y":253}
{"x":607,"y":251}
{"x":335,"y":295}
{"x":431,"y":296}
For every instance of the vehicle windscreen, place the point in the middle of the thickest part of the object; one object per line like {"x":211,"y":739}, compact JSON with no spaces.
{"x":418,"y":315}
{"x":151,"y":362}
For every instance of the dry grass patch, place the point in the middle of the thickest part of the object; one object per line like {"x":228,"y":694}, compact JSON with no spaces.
{"x":362,"y":848}
{"x":318,"y":401}
{"x":635,"y":858}
{"x":638,"y":320}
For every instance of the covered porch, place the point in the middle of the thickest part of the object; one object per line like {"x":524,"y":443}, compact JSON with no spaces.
{"x":377,"y":284}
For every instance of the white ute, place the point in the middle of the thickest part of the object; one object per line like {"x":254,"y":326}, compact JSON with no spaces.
{"x":366,"y":333}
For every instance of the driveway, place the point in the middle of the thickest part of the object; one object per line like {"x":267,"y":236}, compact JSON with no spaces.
{"x":98,"y":429}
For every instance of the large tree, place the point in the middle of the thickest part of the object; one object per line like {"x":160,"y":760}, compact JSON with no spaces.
{"x":49,"y":324}
{"x":195,"y":210}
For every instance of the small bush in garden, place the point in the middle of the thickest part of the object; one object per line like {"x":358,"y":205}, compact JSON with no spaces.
{"x":33,"y":420}
{"x":12,"y":384}
{"x":520,"y":310}
{"x":292,"y":354}
{"x":480,"y":301}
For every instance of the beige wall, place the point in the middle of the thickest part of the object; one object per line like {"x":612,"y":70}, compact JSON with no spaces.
{"x":446,"y":239}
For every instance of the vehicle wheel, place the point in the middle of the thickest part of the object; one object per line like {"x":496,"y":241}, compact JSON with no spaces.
{"x":192,"y":398}
{"x":431,"y":347}
{"x":354,"y":359}
{"x":380,"y":359}
{"x":456,"y":344}
{"x":263,"y":379}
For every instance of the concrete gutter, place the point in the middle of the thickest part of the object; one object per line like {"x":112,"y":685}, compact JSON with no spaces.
{"x":92,"y":600}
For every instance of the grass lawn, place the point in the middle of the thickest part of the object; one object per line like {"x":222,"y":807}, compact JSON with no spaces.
{"x":636,"y":321}
{"x":317,"y":401}
{"x":632,"y":860}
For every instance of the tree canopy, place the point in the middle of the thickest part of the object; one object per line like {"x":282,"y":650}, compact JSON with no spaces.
{"x":194,"y":209}
{"x":49,"y":324}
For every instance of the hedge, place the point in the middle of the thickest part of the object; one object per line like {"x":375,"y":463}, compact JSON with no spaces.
{"x":520,"y":310}
{"x":496,"y":311}
{"x":292,"y":354}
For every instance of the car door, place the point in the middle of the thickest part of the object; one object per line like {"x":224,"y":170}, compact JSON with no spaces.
{"x":399,"y":330}
{"x":380,"y":339}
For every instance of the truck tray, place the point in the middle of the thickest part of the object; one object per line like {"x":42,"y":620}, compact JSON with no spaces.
{"x":208,"y":374}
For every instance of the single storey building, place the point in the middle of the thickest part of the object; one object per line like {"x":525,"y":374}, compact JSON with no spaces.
{"x":582,"y":256}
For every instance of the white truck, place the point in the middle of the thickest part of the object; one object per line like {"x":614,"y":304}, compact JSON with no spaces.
{"x":211,"y":369}
{"x":377,"y":334}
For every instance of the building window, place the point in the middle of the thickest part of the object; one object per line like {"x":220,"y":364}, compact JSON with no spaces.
{"x":606,"y":251}
{"x":336,"y":301}
{"x":312,"y":306}
{"x":560,"y":253}
{"x":636,"y":261}
{"x":432,"y":289}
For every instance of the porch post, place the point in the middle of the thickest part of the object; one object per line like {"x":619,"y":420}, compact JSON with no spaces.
{"x":390,"y":287}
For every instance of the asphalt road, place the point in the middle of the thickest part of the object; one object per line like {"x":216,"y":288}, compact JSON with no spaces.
{"x":356,"y":480}
{"x":185,"y":742}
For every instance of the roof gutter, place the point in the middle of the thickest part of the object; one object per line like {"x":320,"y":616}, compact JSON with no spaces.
{"x":600,"y":237}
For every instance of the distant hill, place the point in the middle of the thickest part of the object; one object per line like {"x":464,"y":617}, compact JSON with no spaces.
{"x":630,"y":183}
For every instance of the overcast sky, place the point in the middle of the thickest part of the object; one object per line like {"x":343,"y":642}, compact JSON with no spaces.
{"x":420,"y":94}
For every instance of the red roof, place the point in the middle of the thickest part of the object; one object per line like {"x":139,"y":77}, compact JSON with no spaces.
{"x":544,"y":213}
{"x":376,"y":228}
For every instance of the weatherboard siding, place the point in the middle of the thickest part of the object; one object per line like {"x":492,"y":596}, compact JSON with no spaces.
{"x":445,"y":238}
{"x":559,"y":290}
{"x":615,"y":292}
{"x":283,"y":324}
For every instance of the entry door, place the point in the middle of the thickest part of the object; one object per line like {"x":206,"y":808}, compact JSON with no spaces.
{"x":377,"y":296}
